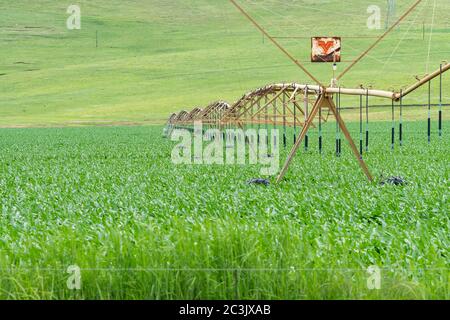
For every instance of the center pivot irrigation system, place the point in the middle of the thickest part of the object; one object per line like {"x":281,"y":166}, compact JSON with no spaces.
{"x":298,"y":105}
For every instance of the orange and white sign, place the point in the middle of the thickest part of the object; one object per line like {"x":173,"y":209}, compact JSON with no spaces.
{"x":326,"y":49}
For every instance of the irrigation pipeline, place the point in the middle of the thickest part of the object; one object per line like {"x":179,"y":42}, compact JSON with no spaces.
{"x":283,"y":104}
{"x":380,"y":106}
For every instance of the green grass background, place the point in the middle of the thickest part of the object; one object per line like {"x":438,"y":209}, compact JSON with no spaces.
{"x":157,"y":57}
{"x":110,"y":200}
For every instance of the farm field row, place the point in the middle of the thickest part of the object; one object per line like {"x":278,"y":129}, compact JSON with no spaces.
{"x":139,"y":61}
{"x":110,"y":201}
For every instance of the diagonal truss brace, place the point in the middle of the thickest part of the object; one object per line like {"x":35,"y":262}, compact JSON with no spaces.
{"x":365,"y":53}
{"x":275,"y":42}
{"x":324,"y":101}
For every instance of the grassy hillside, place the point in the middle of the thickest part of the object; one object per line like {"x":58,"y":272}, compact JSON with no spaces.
{"x":156,"y":57}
